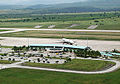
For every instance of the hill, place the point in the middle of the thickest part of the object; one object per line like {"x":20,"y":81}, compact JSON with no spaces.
{"x":67,"y":10}
{"x":3,"y":7}
{"x":106,"y":4}
{"x":86,"y":6}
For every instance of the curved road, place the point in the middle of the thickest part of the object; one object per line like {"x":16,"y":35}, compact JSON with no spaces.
{"x":16,"y":65}
{"x":117,"y":66}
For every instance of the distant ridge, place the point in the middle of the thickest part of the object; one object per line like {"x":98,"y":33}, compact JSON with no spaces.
{"x":2,"y":7}
{"x":106,"y":4}
{"x":86,"y":6}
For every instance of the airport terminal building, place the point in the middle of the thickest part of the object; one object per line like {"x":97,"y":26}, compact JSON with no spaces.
{"x":56,"y":47}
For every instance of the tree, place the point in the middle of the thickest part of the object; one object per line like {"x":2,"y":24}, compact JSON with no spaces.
{"x":29,"y":60}
{"x":24,"y":53}
{"x":5,"y":54}
{"x":57,"y":62}
{"x":19,"y":54}
{"x":48,"y":56}
{"x":48,"y":62}
{"x":27,"y":48}
{"x":38,"y":59}
{"x":61,"y":57}
{"x":1,"y":58}
{"x":65,"y":61}
{"x":13,"y":53}
{"x":41,"y":55}
{"x":15,"y":48}
{"x":43,"y":61}
{"x":68,"y":59}
{"x":70,"y":50}
{"x":9,"y":59}
{"x":46,"y":59}
{"x":98,"y":53}
{"x":13,"y":59}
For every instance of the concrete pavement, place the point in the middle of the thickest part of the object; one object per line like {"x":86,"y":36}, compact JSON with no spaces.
{"x":94,"y":44}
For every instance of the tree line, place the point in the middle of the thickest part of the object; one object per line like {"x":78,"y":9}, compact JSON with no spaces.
{"x":57,"y":17}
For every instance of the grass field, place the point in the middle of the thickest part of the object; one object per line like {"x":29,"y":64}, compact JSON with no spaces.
{"x":76,"y":64}
{"x":59,"y":25}
{"x":3,"y":30}
{"x":67,"y":34}
{"x":104,"y":20}
{"x":6,"y":46}
{"x":25,"y":76}
{"x":6,"y":62}
{"x":103,"y":24}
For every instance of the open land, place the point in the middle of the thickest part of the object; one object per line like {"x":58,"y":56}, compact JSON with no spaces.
{"x":3,"y":30}
{"x":6,"y":62}
{"x":15,"y":76}
{"x":105,"y":21}
{"x":115,"y":36}
{"x":76,"y":64}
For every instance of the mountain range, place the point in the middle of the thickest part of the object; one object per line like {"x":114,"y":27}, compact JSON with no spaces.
{"x":106,"y":4}
{"x":86,"y":6}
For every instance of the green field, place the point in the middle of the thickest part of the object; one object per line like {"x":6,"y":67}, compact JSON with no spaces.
{"x":6,"y":62}
{"x":67,"y":34}
{"x":103,"y":24}
{"x":25,"y":76}
{"x":59,"y":25}
{"x":105,"y":21}
{"x":3,"y":30}
{"x":6,"y":47}
{"x":76,"y":64}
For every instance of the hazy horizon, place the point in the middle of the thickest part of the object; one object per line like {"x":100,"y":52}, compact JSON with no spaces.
{"x":33,"y":2}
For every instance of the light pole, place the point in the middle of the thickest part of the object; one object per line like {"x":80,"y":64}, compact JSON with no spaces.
{"x":87,"y":41}
{"x":28,"y":41}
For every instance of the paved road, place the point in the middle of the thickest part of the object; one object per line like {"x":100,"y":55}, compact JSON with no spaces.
{"x":3,"y":66}
{"x":10,"y":30}
{"x":18,"y":29}
{"x":15,"y":65}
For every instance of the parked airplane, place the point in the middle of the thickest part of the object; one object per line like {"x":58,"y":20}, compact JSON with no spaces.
{"x":67,"y":41}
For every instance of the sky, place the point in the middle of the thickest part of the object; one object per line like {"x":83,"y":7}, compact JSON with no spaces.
{"x":32,"y":2}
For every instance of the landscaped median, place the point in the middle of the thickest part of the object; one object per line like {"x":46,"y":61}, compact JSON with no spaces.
{"x":4,"y":30}
{"x":6,"y":62}
{"x":76,"y":64}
